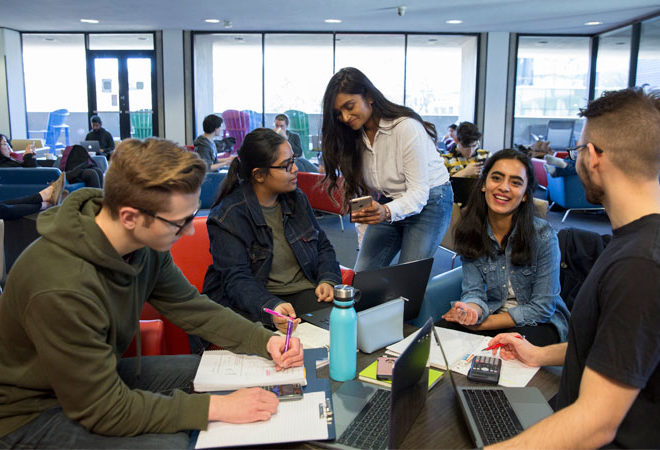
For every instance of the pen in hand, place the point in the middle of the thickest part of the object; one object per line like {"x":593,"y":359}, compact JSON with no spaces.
{"x":493,"y":347}
{"x":289,"y":326}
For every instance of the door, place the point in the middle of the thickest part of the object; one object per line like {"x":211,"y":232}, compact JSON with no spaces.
{"x":121,"y":85}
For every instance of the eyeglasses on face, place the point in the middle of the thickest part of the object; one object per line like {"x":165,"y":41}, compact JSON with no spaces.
{"x":180,"y":227}
{"x":288,"y":165}
{"x":573,"y":151}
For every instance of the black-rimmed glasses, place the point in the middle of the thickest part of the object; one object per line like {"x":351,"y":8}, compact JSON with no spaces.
{"x":186,"y":221}
{"x":573,"y":151}
{"x":288,"y":166}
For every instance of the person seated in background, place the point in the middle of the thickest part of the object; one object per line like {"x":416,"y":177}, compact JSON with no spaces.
{"x":205,"y":144}
{"x":268,"y":249}
{"x":282,"y":128}
{"x":465,"y":160}
{"x":510,"y":258}
{"x":608,"y":394}
{"x":449,"y":139}
{"x":16,"y":208}
{"x":29,"y":159}
{"x":71,"y":307}
{"x":103,"y":136}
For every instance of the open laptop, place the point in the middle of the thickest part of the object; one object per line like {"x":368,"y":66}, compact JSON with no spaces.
{"x":494,"y":414}
{"x":368,"y":416}
{"x":378,"y":286}
{"x":91,"y":146}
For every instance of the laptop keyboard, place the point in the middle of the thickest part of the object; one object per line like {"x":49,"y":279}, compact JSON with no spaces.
{"x":493,"y":413}
{"x":370,"y":429}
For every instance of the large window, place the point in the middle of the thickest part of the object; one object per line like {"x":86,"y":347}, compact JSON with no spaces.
{"x":648,"y":61}
{"x":55,"y":78}
{"x":441,"y":75}
{"x":227,"y":74}
{"x":551,"y":87}
{"x":613,"y":62}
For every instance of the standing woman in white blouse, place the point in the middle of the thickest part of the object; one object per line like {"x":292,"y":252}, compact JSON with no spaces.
{"x":387,"y":151}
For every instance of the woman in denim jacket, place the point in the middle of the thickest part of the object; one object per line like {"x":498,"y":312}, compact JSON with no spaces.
{"x":268,"y":249}
{"x":510,"y":258}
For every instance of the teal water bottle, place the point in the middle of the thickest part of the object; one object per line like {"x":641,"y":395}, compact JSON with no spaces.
{"x":343,"y":334}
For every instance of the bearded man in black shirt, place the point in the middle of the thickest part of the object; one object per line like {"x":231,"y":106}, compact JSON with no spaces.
{"x":610,"y":385}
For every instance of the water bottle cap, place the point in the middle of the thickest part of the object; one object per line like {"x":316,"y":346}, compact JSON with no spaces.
{"x":344,"y":292}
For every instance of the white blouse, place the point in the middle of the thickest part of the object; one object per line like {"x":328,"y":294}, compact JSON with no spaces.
{"x":403,"y":164}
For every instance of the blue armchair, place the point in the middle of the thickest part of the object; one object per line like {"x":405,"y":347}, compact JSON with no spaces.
{"x":568,"y":192}
{"x":19,"y":181}
{"x":441,"y":290}
{"x":210,"y":186}
{"x":56,"y":125}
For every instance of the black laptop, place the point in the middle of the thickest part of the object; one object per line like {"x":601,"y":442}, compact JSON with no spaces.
{"x":92,"y":146}
{"x":495,"y":414}
{"x":368,"y":416}
{"x":378,"y":286}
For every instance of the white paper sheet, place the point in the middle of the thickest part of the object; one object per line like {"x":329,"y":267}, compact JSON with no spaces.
{"x":295,"y":420}
{"x":311,"y":336}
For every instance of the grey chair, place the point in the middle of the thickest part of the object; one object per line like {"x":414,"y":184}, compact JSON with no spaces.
{"x":560,"y":134}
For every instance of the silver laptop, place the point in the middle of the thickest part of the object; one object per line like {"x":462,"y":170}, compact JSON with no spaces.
{"x":367,"y":416}
{"x":378,"y":286}
{"x":494,"y":414}
{"x":92,"y":146}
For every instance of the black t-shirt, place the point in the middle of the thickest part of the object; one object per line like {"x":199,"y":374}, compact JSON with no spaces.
{"x":615,"y":328}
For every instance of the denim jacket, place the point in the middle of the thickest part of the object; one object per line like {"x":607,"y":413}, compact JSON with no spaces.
{"x":535,"y":286}
{"x":242,"y":249}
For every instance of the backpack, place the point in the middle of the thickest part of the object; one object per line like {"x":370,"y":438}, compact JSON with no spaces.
{"x":76,"y":158}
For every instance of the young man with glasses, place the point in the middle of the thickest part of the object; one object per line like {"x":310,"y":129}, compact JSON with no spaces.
{"x":71,"y":307}
{"x":610,"y":385}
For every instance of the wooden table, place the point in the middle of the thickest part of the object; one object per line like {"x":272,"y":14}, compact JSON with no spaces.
{"x":440,"y":424}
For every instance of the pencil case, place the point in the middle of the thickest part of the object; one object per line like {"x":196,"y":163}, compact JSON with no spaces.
{"x":380,"y":326}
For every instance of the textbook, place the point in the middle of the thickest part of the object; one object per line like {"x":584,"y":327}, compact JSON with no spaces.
{"x":368,"y":375}
{"x":461,"y":348}
{"x":222,"y":370}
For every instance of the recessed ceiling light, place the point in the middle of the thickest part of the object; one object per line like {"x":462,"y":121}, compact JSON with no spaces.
{"x":332,"y":20}
{"x":453,"y":21}
{"x":212,"y":20}
{"x":89,"y":21}
{"x":543,"y":42}
{"x":432,"y":40}
{"x":621,"y":43}
{"x":239,"y":38}
{"x":50,"y":39}
{"x":589,"y":24}
{"x":142,"y":38}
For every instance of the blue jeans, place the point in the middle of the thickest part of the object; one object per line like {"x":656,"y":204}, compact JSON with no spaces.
{"x":161,"y":374}
{"x":417,"y":237}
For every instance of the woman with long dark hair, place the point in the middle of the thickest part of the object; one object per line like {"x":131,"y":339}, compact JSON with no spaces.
{"x":268,"y":249}
{"x":388,"y":151}
{"x":510,"y":258}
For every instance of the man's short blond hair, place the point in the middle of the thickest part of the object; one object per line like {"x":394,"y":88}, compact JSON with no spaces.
{"x":625,"y":124}
{"x":144,"y":174}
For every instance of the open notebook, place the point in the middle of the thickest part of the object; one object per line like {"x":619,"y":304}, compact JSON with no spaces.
{"x":461,"y":348}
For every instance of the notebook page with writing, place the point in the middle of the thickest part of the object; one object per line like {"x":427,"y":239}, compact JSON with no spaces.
{"x":222,"y":370}
{"x":311,"y":336}
{"x":295,"y":421}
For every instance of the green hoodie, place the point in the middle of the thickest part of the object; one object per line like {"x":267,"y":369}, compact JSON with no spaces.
{"x":71,"y":308}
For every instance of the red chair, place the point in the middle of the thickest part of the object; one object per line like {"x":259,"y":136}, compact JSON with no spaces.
{"x":312,"y":185}
{"x":190,"y":148}
{"x":151,"y":334}
{"x":192,"y":253}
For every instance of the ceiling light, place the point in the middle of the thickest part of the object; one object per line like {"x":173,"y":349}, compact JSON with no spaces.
{"x":212,"y":20}
{"x":432,"y":40}
{"x":589,"y":24}
{"x":543,"y":42}
{"x":332,"y":20}
{"x":89,"y":21}
{"x":453,"y":21}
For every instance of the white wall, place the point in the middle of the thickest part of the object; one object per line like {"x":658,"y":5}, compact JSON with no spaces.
{"x":12,"y":86}
{"x":173,"y":85}
{"x":497,"y":65}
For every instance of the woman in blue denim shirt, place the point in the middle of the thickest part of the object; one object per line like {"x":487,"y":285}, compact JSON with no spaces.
{"x":268,"y":249}
{"x":510,"y":258}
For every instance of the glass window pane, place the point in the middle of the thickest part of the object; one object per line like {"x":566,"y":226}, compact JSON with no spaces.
{"x":227,"y":71}
{"x":551,"y":86}
{"x":648,"y":61}
{"x":122,"y":41}
{"x":613,"y":61}
{"x":441,"y":77}
{"x":380,"y":57}
{"x":297,"y":70}
{"x":139,"y":97}
{"x":55,"y":78}
{"x":106,"y":70}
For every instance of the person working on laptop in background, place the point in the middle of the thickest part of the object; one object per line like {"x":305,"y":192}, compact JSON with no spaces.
{"x":385,"y":148}
{"x":205,"y":144}
{"x":102,"y":255}
{"x":103,"y":136}
{"x":268,"y":250}
{"x":510,"y":258}
{"x":611,"y":378}
{"x":282,"y":128}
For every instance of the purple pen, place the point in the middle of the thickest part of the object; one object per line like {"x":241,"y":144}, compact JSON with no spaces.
{"x":289,"y":327}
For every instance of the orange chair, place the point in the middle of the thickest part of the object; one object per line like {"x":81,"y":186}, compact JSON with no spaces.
{"x":192,"y":253}
{"x":151,"y":334}
{"x":312,"y":185}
